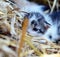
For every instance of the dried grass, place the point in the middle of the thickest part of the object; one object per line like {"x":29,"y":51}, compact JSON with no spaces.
{"x":12,"y":31}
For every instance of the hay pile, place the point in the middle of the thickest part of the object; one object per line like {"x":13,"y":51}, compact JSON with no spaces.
{"x":11,"y":20}
{"x":10,"y":27}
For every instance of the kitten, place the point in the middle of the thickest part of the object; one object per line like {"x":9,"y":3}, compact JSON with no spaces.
{"x":41,"y":24}
{"x":53,"y":33}
{"x":47,"y":26}
{"x":38,"y":24}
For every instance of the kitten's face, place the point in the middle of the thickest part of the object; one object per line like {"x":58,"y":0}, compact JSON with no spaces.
{"x":38,"y":26}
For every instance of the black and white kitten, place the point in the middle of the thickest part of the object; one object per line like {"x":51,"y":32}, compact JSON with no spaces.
{"x":47,"y":26}
{"x":54,"y":30}
{"x":41,"y":24}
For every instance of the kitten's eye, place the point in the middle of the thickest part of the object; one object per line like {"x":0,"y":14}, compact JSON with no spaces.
{"x":34,"y":23}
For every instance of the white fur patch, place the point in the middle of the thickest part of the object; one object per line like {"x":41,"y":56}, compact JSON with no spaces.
{"x":53,"y":32}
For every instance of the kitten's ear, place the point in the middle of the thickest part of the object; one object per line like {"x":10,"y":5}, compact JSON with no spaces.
{"x":47,"y":25}
{"x":28,"y":15}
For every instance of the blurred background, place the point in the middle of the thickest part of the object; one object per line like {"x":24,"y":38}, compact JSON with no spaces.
{"x":54,"y":5}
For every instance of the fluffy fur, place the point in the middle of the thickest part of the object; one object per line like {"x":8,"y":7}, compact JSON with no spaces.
{"x":41,"y":24}
{"x":54,"y":31}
